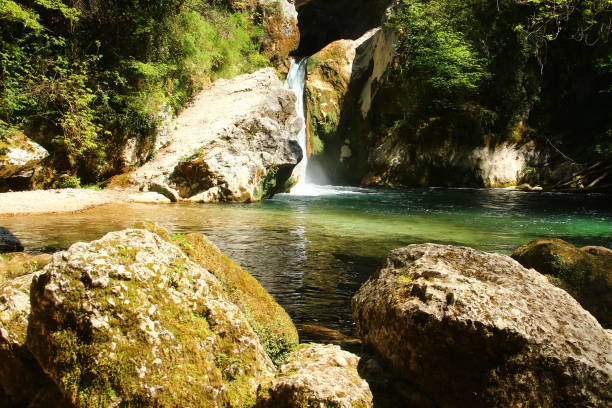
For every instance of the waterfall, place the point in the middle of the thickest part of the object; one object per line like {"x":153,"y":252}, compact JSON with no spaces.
{"x":295,"y":81}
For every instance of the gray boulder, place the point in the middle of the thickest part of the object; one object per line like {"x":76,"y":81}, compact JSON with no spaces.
{"x":236,"y":142}
{"x":317,"y":375}
{"x":19,"y":155}
{"x":473,"y":329}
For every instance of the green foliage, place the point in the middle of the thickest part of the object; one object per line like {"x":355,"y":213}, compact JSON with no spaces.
{"x":69,"y":182}
{"x":548,"y":18}
{"x":276,"y":343}
{"x":490,"y":68}
{"x":83,"y":80}
{"x":435,"y":52}
{"x":317,"y":144}
{"x":11,"y":10}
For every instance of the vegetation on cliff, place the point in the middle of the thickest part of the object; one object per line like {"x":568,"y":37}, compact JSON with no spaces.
{"x":506,"y":68}
{"x":83,"y":78}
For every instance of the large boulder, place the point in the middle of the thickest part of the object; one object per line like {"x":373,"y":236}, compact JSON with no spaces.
{"x":19,"y":155}
{"x":473,"y":329}
{"x":21,"y":378}
{"x":236,"y":142}
{"x":317,"y":375}
{"x":130,"y":320}
{"x":275,"y":329}
{"x":586,"y":273}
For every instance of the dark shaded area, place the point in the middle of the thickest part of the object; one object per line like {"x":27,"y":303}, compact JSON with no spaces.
{"x":324,"y":21}
{"x":574,"y":107}
{"x":9,"y":242}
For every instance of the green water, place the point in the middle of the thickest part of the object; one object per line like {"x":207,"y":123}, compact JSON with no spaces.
{"x":313,"y":252}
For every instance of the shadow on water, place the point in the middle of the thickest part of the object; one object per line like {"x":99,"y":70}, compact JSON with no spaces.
{"x":313,"y":252}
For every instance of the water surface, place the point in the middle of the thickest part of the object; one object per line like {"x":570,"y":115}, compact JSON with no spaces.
{"x":313,"y":252}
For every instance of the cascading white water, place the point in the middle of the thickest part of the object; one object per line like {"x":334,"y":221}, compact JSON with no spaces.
{"x":295,"y":81}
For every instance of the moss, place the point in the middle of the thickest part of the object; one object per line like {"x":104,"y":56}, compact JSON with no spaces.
{"x":268,"y":185}
{"x":317,"y":144}
{"x":13,"y":138}
{"x":269,"y":320}
{"x":587,"y":277}
{"x":96,"y":368}
{"x":18,"y":264}
{"x":405,"y":279}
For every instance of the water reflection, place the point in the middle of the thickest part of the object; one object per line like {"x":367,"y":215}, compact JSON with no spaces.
{"x":313,"y":252}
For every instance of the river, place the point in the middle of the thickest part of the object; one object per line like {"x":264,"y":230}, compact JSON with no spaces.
{"x":312,"y":252}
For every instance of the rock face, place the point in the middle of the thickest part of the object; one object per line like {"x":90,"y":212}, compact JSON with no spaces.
{"x":447,"y":161}
{"x":586,"y":273}
{"x":19,"y":156}
{"x":136,"y":152}
{"x":280,"y":23}
{"x":343,"y":79}
{"x":317,"y":376}
{"x":348,"y":85}
{"x":322,"y":21}
{"x":236,"y":142}
{"x":129,"y":320}
{"x":473,"y":329}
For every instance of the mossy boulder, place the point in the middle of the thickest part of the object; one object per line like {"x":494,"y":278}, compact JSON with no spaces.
{"x":21,"y":378}
{"x":585,"y":273}
{"x":474,"y":329}
{"x":317,"y":375}
{"x":273,"y":326}
{"x":129,"y":320}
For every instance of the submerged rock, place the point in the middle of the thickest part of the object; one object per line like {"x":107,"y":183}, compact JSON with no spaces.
{"x":473,"y":329}
{"x":317,"y":376}
{"x":236,"y":142}
{"x":130,"y":320}
{"x":586,"y":273}
{"x":9,"y":242}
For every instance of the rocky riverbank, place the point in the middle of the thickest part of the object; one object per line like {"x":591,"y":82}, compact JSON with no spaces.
{"x":139,"y":318}
{"x":142,"y":317}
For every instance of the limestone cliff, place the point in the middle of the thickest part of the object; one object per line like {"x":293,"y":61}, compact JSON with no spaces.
{"x":371,"y":123}
{"x":236,"y":142}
